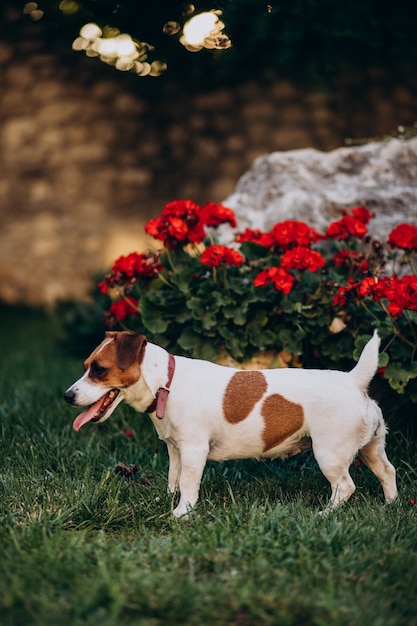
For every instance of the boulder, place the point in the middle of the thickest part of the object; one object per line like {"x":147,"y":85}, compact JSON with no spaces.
{"x":314,"y":186}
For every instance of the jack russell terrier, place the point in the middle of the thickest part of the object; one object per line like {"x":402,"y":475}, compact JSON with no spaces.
{"x":205,"y":411}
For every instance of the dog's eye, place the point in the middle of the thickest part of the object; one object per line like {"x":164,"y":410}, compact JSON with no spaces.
{"x":97,"y":370}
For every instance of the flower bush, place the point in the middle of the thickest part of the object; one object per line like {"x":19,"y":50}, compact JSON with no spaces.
{"x":318,"y":296}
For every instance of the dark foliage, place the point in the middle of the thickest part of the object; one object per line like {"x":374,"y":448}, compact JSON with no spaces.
{"x":313,"y":41}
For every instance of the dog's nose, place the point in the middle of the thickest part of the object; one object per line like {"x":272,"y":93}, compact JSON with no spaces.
{"x":69,"y":396}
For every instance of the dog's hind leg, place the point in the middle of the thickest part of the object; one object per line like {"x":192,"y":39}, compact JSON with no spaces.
{"x":373,"y":453}
{"x":336,"y":469}
{"x":375,"y":457}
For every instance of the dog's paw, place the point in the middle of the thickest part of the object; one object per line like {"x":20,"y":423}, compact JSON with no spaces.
{"x":328,"y":509}
{"x":183,"y":511}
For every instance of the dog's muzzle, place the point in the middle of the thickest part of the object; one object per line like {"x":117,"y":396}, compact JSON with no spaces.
{"x":69,"y":396}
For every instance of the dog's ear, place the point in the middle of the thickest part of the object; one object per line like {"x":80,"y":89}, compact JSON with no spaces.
{"x":129,"y":348}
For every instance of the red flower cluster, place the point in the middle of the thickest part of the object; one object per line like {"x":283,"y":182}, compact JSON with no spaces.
{"x":293,"y":238}
{"x":352,"y":259}
{"x":214,"y":255}
{"x":301,"y":258}
{"x":291,"y":233}
{"x":179,"y":223}
{"x":403,"y":236}
{"x":344,"y":291}
{"x":183,"y":221}
{"x":352,"y":224}
{"x":124,"y":307}
{"x":284,"y":235}
{"x":401,"y":293}
{"x":131,"y":267}
{"x":256,"y":236}
{"x":213,"y":214}
{"x":136,"y":265}
{"x":281,"y":279}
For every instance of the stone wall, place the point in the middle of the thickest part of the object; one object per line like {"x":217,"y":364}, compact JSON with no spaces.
{"x":85,"y":160}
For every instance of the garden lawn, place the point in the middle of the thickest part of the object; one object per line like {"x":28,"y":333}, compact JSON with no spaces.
{"x":82,"y":545}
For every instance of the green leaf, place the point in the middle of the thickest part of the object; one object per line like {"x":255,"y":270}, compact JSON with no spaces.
{"x":151,"y":318}
{"x":412,"y":315}
{"x":253,"y":251}
{"x":236,"y":313}
{"x":182,"y":316}
{"x":208,"y":321}
{"x":398,"y":375}
{"x":291,"y":339}
{"x":201,"y":304}
{"x":383,"y":359}
{"x":236,"y":346}
{"x":196,"y":345}
{"x":360,"y":343}
{"x":183,"y":279}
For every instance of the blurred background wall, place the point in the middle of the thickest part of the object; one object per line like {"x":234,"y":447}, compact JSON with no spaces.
{"x":89,"y":153}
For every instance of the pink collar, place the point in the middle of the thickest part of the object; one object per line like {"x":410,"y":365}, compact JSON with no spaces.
{"x":160,"y":401}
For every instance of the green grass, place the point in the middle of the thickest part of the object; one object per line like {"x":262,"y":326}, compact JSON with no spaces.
{"x":80,"y":545}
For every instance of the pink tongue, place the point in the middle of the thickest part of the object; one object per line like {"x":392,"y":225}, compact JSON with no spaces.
{"x":87,"y":416}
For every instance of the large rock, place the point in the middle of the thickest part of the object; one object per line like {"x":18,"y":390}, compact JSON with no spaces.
{"x":314,"y":186}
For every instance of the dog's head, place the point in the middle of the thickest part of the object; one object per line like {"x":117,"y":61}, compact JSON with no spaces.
{"x":111,"y":368}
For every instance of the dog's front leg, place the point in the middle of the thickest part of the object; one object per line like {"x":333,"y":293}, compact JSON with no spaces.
{"x":193,"y":461}
{"x":174,"y":468}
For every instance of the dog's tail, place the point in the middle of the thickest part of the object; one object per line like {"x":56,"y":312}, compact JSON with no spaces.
{"x":365,"y":369}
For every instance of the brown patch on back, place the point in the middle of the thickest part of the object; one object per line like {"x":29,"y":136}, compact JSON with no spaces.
{"x":282,"y":419}
{"x":242,"y":393}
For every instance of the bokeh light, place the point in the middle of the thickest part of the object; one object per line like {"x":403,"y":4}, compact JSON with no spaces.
{"x":204,"y":30}
{"x":32,"y":9}
{"x":117,"y":49}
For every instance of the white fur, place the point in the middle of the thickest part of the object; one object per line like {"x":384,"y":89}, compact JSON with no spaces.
{"x":339,"y":417}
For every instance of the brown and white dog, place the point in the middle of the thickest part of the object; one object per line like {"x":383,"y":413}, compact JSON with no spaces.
{"x":206,"y":411}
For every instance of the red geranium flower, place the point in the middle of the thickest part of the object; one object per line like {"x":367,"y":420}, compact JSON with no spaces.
{"x":347,"y":226}
{"x":187,"y":210}
{"x":401,"y":294}
{"x":355,"y":260}
{"x":138,"y":265}
{"x":300,"y":258}
{"x":395,"y":308}
{"x":292,"y":233}
{"x":131,"y":267}
{"x":167,"y":228}
{"x":256,"y":236}
{"x":361,"y":213}
{"x":180,"y":223}
{"x":216,"y":254}
{"x":279,"y":277}
{"x":213,"y":214}
{"x":379,"y":288}
{"x":343,"y":292}
{"x":190,"y":212}
{"x":123,"y":308}
{"x":366,"y":286}
{"x":381,"y":371}
{"x":403,"y":236}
